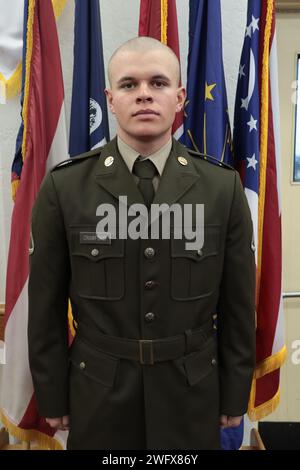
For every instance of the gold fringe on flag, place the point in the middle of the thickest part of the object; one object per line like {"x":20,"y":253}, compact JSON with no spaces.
{"x":164,"y":21}
{"x":270,"y":364}
{"x":14,"y":188}
{"x":29,"y":39}
{"x":256,"y":413}
{"x":264,"y":136}
{"x":30,"y":435}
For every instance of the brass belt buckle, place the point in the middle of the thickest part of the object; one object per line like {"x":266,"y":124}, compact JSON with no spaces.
{"x":146,"y":352}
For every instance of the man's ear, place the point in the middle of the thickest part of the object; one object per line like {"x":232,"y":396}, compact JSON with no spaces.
{"x":181,"y":95}
{"x":109,"y":97}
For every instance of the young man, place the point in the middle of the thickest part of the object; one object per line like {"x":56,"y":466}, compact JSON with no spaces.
{"x":147,"y":369}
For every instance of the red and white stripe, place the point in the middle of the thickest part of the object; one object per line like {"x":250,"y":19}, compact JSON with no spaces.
{"x":46,"y":145}
{"x":278,"y":342}
{"x":270,"y":345}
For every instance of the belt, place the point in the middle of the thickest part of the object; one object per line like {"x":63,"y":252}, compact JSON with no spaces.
{"x":147,"y":351}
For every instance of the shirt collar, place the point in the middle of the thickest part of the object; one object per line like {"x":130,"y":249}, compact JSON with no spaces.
{"x":158,"y":158}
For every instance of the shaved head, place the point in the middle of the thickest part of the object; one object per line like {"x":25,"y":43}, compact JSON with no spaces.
{"x":142,"y":44}
{"x":145,"y":93}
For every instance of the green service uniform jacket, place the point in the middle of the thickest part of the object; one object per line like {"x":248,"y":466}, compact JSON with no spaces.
{"x":120,"y":392}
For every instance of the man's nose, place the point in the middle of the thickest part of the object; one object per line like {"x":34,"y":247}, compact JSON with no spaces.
{"x":144,"y":93}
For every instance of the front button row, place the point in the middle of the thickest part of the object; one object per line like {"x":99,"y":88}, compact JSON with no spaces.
{"x":149,"y":317}
{"x":149,"y":252}
{"x":149,"y":285}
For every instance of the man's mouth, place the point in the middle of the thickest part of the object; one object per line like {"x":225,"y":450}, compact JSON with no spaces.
{"x":145,"y":112}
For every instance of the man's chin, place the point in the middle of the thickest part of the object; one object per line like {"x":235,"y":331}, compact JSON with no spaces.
{"x":148,"y":134}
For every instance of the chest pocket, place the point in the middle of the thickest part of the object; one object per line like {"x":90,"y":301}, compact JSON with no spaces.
{"x":195,"y":273}
{"x":97,"y":265}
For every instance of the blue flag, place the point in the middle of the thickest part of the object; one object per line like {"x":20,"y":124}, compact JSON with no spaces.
{"x":206,"y":123}
{"x":17,"y":164}
{"x":89,"y":123}
{"x":246,"y":134}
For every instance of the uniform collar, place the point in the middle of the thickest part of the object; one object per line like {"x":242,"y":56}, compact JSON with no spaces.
{"x":177,"y":178}
{"x":158,"y":158}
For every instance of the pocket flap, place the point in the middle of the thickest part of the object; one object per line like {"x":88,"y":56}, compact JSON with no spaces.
{"x":209,"y":248}
{"x":200,"y":363}
{"x":84,"y":242}
{"x":94,"y":363}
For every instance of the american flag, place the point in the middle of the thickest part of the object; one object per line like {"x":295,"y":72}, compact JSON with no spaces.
{"x":257,"y":157}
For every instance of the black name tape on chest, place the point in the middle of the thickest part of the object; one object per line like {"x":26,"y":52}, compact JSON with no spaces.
{"x":87,"y":238}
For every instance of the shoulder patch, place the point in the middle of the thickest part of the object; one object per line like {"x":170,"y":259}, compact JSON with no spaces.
{"x":210,"y":159}
{"x":93,"y":153}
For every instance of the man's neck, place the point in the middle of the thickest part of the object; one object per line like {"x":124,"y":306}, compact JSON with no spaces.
{"x":147,"y":146}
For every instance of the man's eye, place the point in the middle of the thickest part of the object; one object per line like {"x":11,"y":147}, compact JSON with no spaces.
{"x":127,"y":86}
{"x":159,"y":84}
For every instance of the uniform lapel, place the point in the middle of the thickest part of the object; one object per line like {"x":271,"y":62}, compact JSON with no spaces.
{"x":178,"y":176}
{"x":116,"y":178}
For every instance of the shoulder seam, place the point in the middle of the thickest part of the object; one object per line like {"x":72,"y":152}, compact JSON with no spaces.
{"x":211,"y":159}
{"x":78,"y":158}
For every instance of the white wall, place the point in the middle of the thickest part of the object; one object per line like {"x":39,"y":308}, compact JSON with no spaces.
{"x":119,"y":23}
{"x":288,"y":27}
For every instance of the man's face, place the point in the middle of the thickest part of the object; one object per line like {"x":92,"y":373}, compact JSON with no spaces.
{"x":144,"y":93}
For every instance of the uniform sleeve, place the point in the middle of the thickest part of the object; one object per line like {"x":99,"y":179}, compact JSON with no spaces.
{"x":48,"y":303}
{"x":236,"y":309}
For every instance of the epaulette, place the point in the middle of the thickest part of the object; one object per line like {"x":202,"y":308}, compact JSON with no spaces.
{"x":210,"y":159}
{"x":78,"y":158}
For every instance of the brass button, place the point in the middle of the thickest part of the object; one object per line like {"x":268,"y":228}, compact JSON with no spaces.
{"x":149,"y":252}
{"x":149,"y":285}
{"x":95,"y":252}
{"x":214,"y":362}
{"x":183,"y":161}
{"x":149,"y":317}
{"x":82,"y":365}
{"x":109,"y":161}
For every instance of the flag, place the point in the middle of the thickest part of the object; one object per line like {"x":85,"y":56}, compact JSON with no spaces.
{"x":11,"y":45}
{"x":89,"y":123}
{"x":158,"y":20}
{"x":257,"y":156}
{"x":17,"y":165}
{"x":44,"y":144}
{"x":206,"y":120}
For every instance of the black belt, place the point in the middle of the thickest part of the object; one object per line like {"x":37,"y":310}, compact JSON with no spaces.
{"x":147,"y":351}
